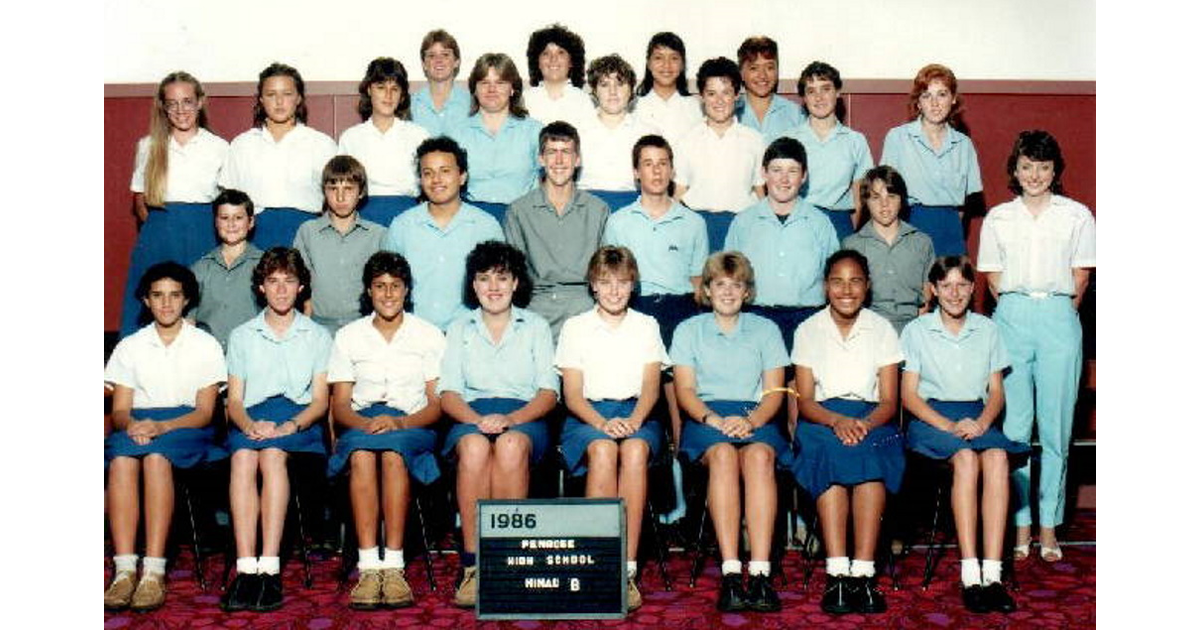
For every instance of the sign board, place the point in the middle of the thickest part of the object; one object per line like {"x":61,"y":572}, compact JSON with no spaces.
{"x":551,"y":559}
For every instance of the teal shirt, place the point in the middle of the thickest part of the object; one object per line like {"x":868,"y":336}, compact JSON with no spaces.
{"x":934,"y":178}
{"x":517,"y":366}
{"x":227,"y":295}
{"x":782,"y":114}
{"x":503,"y":166}
{"x":953,"y":368}
{"x":272,"y":366}
{"x":439,"y":123}
{"x":729,"y":366}
{"x":336,"y":261}
{"x":669,"y":250}
{"x":788,"y":258}
{"x":898,"y":271}
{"x":833,"y":164}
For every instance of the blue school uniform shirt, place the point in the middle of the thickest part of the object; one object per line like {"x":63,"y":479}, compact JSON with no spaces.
{"x":669,"y":250}
{"x":269,"y":365}
{"x":517,"y":366}
{"x":438,"y":256}
{"x":439,"y":123}
{"x":934,"y":178}
{"x":789,"y":257}
{"x":729,"y":365}
{"x":503,"y":166}
{"x":953,"y":367}
{"x":833,"y":164}
{"x":782,"y":114}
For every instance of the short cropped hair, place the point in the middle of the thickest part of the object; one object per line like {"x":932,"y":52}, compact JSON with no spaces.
{"x":287,"y":260}
{"x":732,"y":264}
{"x":440,"y":36}
{"x":786,"y":148}
{"x":612,"y":64}
{"x":499,"y":256}
{"x":381,"y":70}
{"x":943,"y":264}
{"x":651,"y":140}
{"x":925,"y":76}
{"x":279,"y":70}
{"x":169,"y":270}
{"x":615,"y":260}
{"x":558,"y":130}
{"x":669,"y":40}
{"x":504,"y":66}
{"x":562,"y":37}
{"x":341,"y":168}
{"x":819,"y":70}
{"x":382,"y":263}
{"x":1039,"y":146}
{"x":719,"y":67}
{"x":757,"y":46}
{"x":893,"y":182}
{"x":847,"y":254}
{"x":233,"y":197}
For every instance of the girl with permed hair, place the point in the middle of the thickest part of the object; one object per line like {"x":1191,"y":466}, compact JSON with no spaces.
{"x":556,"y":61}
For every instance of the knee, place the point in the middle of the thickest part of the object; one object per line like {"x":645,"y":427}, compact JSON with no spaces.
{"x":473,"y":452}
{"x":123,"y":469}
{"x":273,"y":461}
{"x":362,"y":463}
{"x":393,"y":464}
{"x":966,"y":463}
{"x":512,"y":450}
{"x":758,"y":459}
{"x":995,"y":461}
{"x":602,"y":454}
{"x":721,"y":456}
{"x":635,"y":453}
{"x":156,"y":464}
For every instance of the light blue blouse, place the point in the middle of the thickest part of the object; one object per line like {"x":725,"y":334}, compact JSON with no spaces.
{"x":782,"y":114}
{"x":669,"y":250}
{"x":953,"y":368}
{"x":729,"y":366}
{"x":934,"y":178}
{"x":788,"y":258}
{"x":438,"y":123}
{"x":272,"y":366}
{"x":517,"y":367}
{"x":833,"y":164}
{"x":503,"y":166}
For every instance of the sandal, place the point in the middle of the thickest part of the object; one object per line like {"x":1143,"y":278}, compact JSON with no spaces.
{"x":1051,"y":554}
{"x":1020,"y":552}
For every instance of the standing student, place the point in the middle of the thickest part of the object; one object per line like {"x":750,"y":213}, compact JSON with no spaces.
{"x":1038,"y":251}
{"x":385,"y":142}
{"x":557,"y":227}
{"x":729,"y":370}
{"x":664,"y":102}
{"x":760,"y":108}
{"x":610,"y":133}
{"x":384,"y":370}
{"x":717,"y":170}
{"x":937,"y":161}
{"x":838,"y":156}
{"x":953,"y":385}
{"x":279,"y":161}
{"x":437,"y":235}
{"x":556,"y":60}
{"x":276,"y":402}
{"x":498,"y":383}
{"x":175,"y":176}
{"x":610,"y":359}
{"x":164,"y":380}
{"x":224,"y":274}
{"x":847,"y":453}
{"x":338,"y":243}
{"x":900,"y":255}
{"x":441,"y":105}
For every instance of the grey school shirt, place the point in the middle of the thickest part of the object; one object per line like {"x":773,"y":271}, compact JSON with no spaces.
{"x":898,"y":271}
{"x":336,"y":262}
{"x":227,"y":296}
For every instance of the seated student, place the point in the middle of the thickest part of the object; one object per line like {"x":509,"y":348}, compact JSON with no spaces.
{"x":226,"y":291}
{"x":557,"y":227}
{"x":498,"y":383}
{"x":278,"y":162}
{"x":441,"y":105}
{"x":786,"y":240}
{"x":610,"y":133}
{"x":900,"y":255}
{"x":499,"y":135}
{"x":437,"y":234}
{"x":164,"y":380}
{"x":717,"y":166}
{"x":385,"y":142}
{"x":729,"y":379}
{"x":610,"y":358}
{"x":336,"y":244}
{"x":838,"y":156}
{"x":384,"y":370}
{"x":276,"y":402}
{"x":556,"y":61}
{"x":847,"y":454}
{"x":760,"y":108}
{"x":953,"y":385}
{"x":663,"y":99}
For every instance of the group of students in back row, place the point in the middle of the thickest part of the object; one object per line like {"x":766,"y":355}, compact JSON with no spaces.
{"x":477,"y":319}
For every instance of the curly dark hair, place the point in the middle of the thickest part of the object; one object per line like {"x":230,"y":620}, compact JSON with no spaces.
{"x":562,"y":37}
{"x":500,"y":256}
{"x":287,"y":260}
{"x":380,"y":70}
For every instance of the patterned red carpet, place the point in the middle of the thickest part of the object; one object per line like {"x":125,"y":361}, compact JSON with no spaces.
{"x":1060,"y":595}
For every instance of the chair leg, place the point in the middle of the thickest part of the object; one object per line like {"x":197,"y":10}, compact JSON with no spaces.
{"x":930,"y":557}
{"x":302,"y":539}
{"x":701,"y":550}
{"x":659,"y":545}
{"x":807,"y":551}
{"x":425,"y":541}
{"x":198,"y":569}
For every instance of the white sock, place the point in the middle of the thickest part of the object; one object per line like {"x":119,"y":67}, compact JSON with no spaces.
{"x":731,"y":566}
{"x":125,"y":562}
{"x":368,"y":558}
{"x":970,"y":571}
{"x":247,"y":565}
{"x":991,"y":571}
{"x":393,"y":558}
{"x":154,"y":565}
{"x":862,"y":568}
{"x":760,"y":567}
{"x":839,"y":565}
{"x":268,"y":565}
{"x":631,"y":568}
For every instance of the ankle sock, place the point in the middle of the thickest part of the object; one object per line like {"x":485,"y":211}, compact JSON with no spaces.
{"x":368,"y":558}
{"x":268,"y":565}
{"x":247,"y":565}
{"x":154,"y":565}
{"x":393,"y":558}
{"x":839,"y":565}
{"x":466,"y":559}
{"x":125,"y":562}
{"x":970,"y":571}
{"x":760,"y":567}
{"x":862,"y":568}
{"x":731,"y":566}
{"x":991,"y":571}
{"x":631,"y":568}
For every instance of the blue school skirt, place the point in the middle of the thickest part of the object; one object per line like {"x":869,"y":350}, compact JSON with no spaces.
{"x":182,"y":232}
{"x":821,"y":460}
{"x":942,"y":225}
{"x":577,"y":435}
{"x":278,"y":409}
{"x":415,"y":445}
{"x":840,"y":220}
{"x":718,"y":226}
{"x":277,"y":227}
{"x":616,"y":199}
{"x":787,"y":318}
{"x":497,"y":210}
{"x":698,"y":438}
{"x":932,"y":442}
{"x":669,"y":310}
{"x":382,"y":209}
{"x":184,"y":448}
{"x":535,"y":430}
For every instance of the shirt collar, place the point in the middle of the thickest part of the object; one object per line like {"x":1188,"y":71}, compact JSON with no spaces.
{"x":710,"y":323}
{"x":903,"y":230}
{"x":802,"y":211}
{"x":186,"y":331}
{"x":863,"y":323}
{"x":970,"y":325}
{"x":327,"y":222}
{"x":673,"y":213}
{"x":300,"y":324}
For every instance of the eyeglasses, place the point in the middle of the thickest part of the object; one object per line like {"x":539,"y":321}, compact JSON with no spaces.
{"x":186,"y":105}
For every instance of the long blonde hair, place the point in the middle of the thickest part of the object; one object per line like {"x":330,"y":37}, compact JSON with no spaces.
{"x":160,"y":135}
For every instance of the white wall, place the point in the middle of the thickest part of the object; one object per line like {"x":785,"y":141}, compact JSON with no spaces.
{"x":332,"y":40}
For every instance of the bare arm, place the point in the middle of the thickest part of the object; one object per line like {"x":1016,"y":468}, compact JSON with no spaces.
{"x":993,"y":280}
{"x":1082,"y":277}
{"x":428,"y":414}
{"x":577,"y":403}
{"x":651,"y":375}
{"x":139,"y":207}
{"x":917,"y":405}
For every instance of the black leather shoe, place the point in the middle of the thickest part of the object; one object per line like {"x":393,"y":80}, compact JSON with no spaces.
{"x":973,"y":598}
{"x":997,"y":598}
{"x":760,"y":597}
{"x":242,"y":592}
{"x":866,"y":597}
{"x":732,"y":596}
{"x":270,"y":596}
{"x":837,"y":600}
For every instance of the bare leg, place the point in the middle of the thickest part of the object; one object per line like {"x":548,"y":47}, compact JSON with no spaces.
{"x":510,"y":470}
{"x":758,"y":470}
{"x":364,"y":497}
{"x":474,"y":482}
{"x":276,"y":488}
{"x":159,"y":481}
{"x":833,"y":508}
{"x":396,"y":489}
{"x":995,"y":501}
{"x":602,"y":469}
{"x":868,"y":500}
{"x":243,"y":500}
{"x":635,"y":458}
{"x":724,"y":497}
{"x":123,"y":504}
{"x":673,"y":411}
{"x":964,"y":500}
